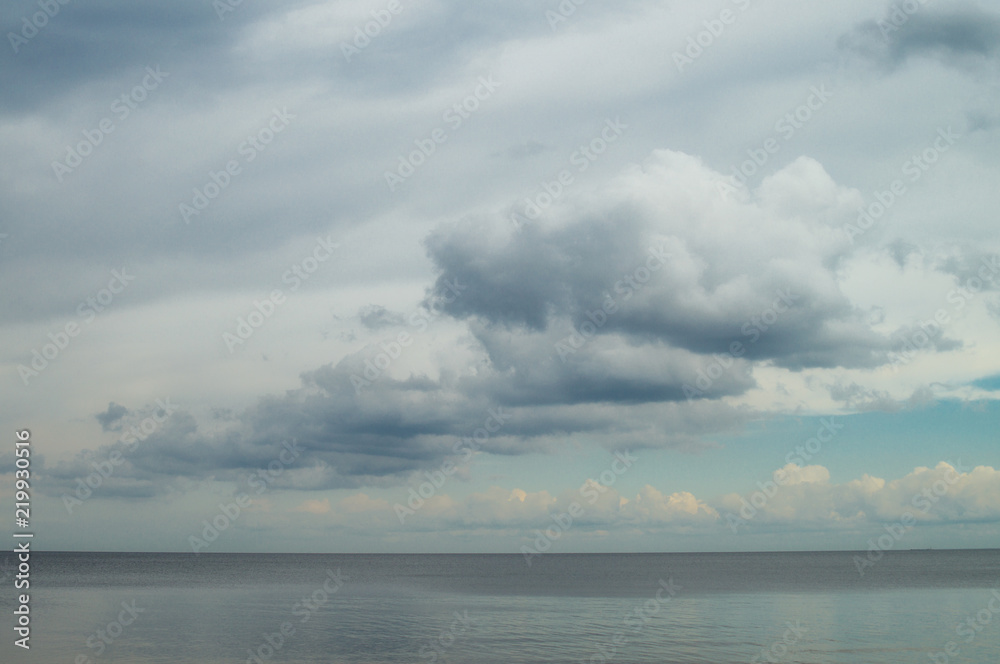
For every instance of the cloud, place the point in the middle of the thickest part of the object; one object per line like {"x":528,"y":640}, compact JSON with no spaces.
{"x":325,"y":435}
{"x":544,"y":368}
{"x":653,"y":506}
{"x":599,"y":507}
{"x":110,"y":419}
{"x":91,"y":40}
{"x":962,"y":36}
{"x":609,"y":321}
{"x":805,"y":496}
{"x":313,"y":506}
{"x":362,"y":503}
{"x":526,"y":149}
{"x":613,"y":317}
{"x":860,"y":399}
{"x":805,"y":499}
{"x":683,"y":266}
{"x":376,"y":317}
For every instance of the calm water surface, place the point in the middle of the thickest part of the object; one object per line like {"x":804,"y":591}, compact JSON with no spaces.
{"x":629,"y":608}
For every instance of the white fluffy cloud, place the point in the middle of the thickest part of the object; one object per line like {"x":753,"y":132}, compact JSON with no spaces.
{"x":945,"y":493}
{"x":795,"y":496}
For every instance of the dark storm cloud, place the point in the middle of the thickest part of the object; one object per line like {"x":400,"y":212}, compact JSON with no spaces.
{"x":957,"y":35}
{"x":347,"y":439}
{"x":546,"y":369}
{"x":117,"y":465}
{"x":393,"y":428}
{"x":526,"y":278}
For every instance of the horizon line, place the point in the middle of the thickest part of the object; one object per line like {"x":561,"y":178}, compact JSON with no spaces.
{"x":501,"y":553}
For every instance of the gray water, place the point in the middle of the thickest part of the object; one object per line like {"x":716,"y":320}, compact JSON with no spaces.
{"x":629,"y":608}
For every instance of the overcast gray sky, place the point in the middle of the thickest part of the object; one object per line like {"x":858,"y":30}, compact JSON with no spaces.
{"x":435,"y":264}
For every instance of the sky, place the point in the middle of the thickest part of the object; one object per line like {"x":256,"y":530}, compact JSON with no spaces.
{"x":393,"y":276}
